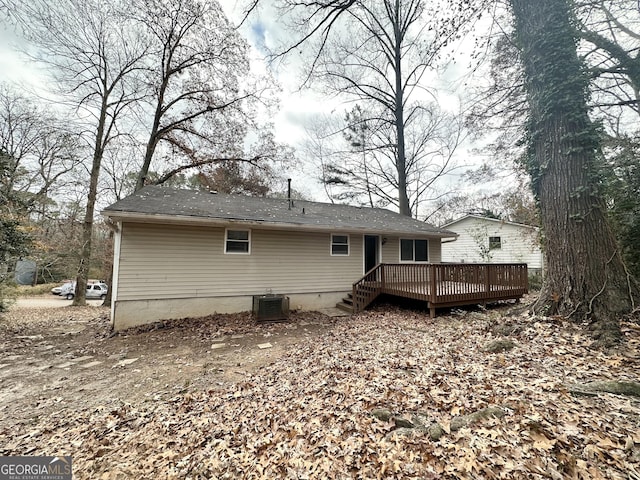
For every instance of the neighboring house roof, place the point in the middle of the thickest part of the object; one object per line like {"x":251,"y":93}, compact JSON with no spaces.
{"x":159,"y":204}
{"x":479,"y":217}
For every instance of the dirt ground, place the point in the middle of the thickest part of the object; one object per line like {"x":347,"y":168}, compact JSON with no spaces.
{"x":57,"y":359}
{"x":388,"y":393}
{"x":48,"y":301}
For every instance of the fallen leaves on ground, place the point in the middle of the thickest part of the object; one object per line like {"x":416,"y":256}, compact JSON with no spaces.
{"x":308,"y":415}
{"x":27,"y":320}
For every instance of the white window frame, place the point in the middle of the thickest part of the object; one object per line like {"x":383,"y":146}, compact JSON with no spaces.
{"x":226,"y":240}
{"x":331,"y":245}
{"x":499,"y":243}
{"x":413,"y":240}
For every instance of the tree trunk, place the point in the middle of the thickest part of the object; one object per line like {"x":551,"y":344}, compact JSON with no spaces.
{"x":152,"y":143}
{"x":144,"y":169}
{"x":401,"y":160}
{"x":586,"y":278}
{"x":80,"y":298}
{"x":154,"y":136}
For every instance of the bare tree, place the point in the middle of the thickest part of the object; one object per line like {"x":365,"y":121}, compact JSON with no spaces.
{"x":610,"y":31}
{"x":362,"y":168}
{"x":199,"y":83}
{"x":41,"y":150}
{"x":380,"y":53}
{"x":93,"y":56}
{"x":319,"y":148}
{"x":120,"y":166}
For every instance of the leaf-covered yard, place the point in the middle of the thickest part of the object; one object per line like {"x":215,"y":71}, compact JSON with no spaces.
{"x":384,"y":394}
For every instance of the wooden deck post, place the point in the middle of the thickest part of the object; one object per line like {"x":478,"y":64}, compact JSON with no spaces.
{"x":432,"y":291}
{"x":434,"y":285}
{"x":487,"y":283}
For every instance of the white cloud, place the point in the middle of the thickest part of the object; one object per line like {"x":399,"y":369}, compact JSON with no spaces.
{"x":14,"y":67}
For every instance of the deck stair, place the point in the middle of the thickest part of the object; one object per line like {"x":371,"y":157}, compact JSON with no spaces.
{"x":346,"y":304}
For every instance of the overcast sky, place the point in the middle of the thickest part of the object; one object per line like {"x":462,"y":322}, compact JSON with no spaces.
{"x":265,"y":30}
{"x":12,"y":66}
{"x":297,"y":107}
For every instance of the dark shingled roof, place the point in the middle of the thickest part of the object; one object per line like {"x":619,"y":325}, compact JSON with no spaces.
{"x":160,"y":202}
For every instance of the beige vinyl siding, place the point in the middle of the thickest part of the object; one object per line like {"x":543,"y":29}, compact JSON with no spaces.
{"x":519,"y":244}
{"x":162,"y":261}
{"x":391,"y":250}
{"x":435,"y":251}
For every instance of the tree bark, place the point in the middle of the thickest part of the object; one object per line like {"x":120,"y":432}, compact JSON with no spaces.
{"x":586,"y":277}
{"x":80,"y":298}
{"x":154,"y":138}
{"x":401,"y":160}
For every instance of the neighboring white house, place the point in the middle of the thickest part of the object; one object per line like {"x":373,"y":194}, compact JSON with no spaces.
{"x":183,"y":253}
{"x":489,"y":240}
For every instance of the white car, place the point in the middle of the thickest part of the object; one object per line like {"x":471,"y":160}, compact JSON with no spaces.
{"x":63,"y":288}
{"x":70,"y":286}
{"x":94,"y":290}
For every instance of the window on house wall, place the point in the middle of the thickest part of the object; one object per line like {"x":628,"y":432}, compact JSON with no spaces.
{"x":495,"y":243}
{"x":237,"y":241}
{"x":339,"y":244}
{"x":414,"y":250}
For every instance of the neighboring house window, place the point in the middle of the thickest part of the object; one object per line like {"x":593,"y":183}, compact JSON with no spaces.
{"x":414,"y":250}
{"x":237,"y":241}
{"x":339,"y":244}
{"x":495,"y":243}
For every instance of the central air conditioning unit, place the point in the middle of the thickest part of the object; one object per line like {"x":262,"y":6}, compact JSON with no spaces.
{"x":268,"y":308}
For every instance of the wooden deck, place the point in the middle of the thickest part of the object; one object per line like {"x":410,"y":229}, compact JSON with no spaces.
{"x":443,"y":284}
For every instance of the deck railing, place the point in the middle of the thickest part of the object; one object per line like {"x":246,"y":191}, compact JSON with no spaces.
{"x":443,"y":284}
{"x":368,"y":288}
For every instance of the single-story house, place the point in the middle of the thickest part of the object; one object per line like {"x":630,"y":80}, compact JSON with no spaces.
{"x":181,"y":253}
{"x":490,"y":240}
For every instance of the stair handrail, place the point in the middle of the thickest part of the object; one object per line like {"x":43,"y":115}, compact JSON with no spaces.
{"x":368,"y":288}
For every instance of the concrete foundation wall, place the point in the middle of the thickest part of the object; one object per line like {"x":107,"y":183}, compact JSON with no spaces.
{"x":132,"y":313}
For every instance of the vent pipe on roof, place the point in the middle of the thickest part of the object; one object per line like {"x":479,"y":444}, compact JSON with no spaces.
{"x":289,"y":192}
